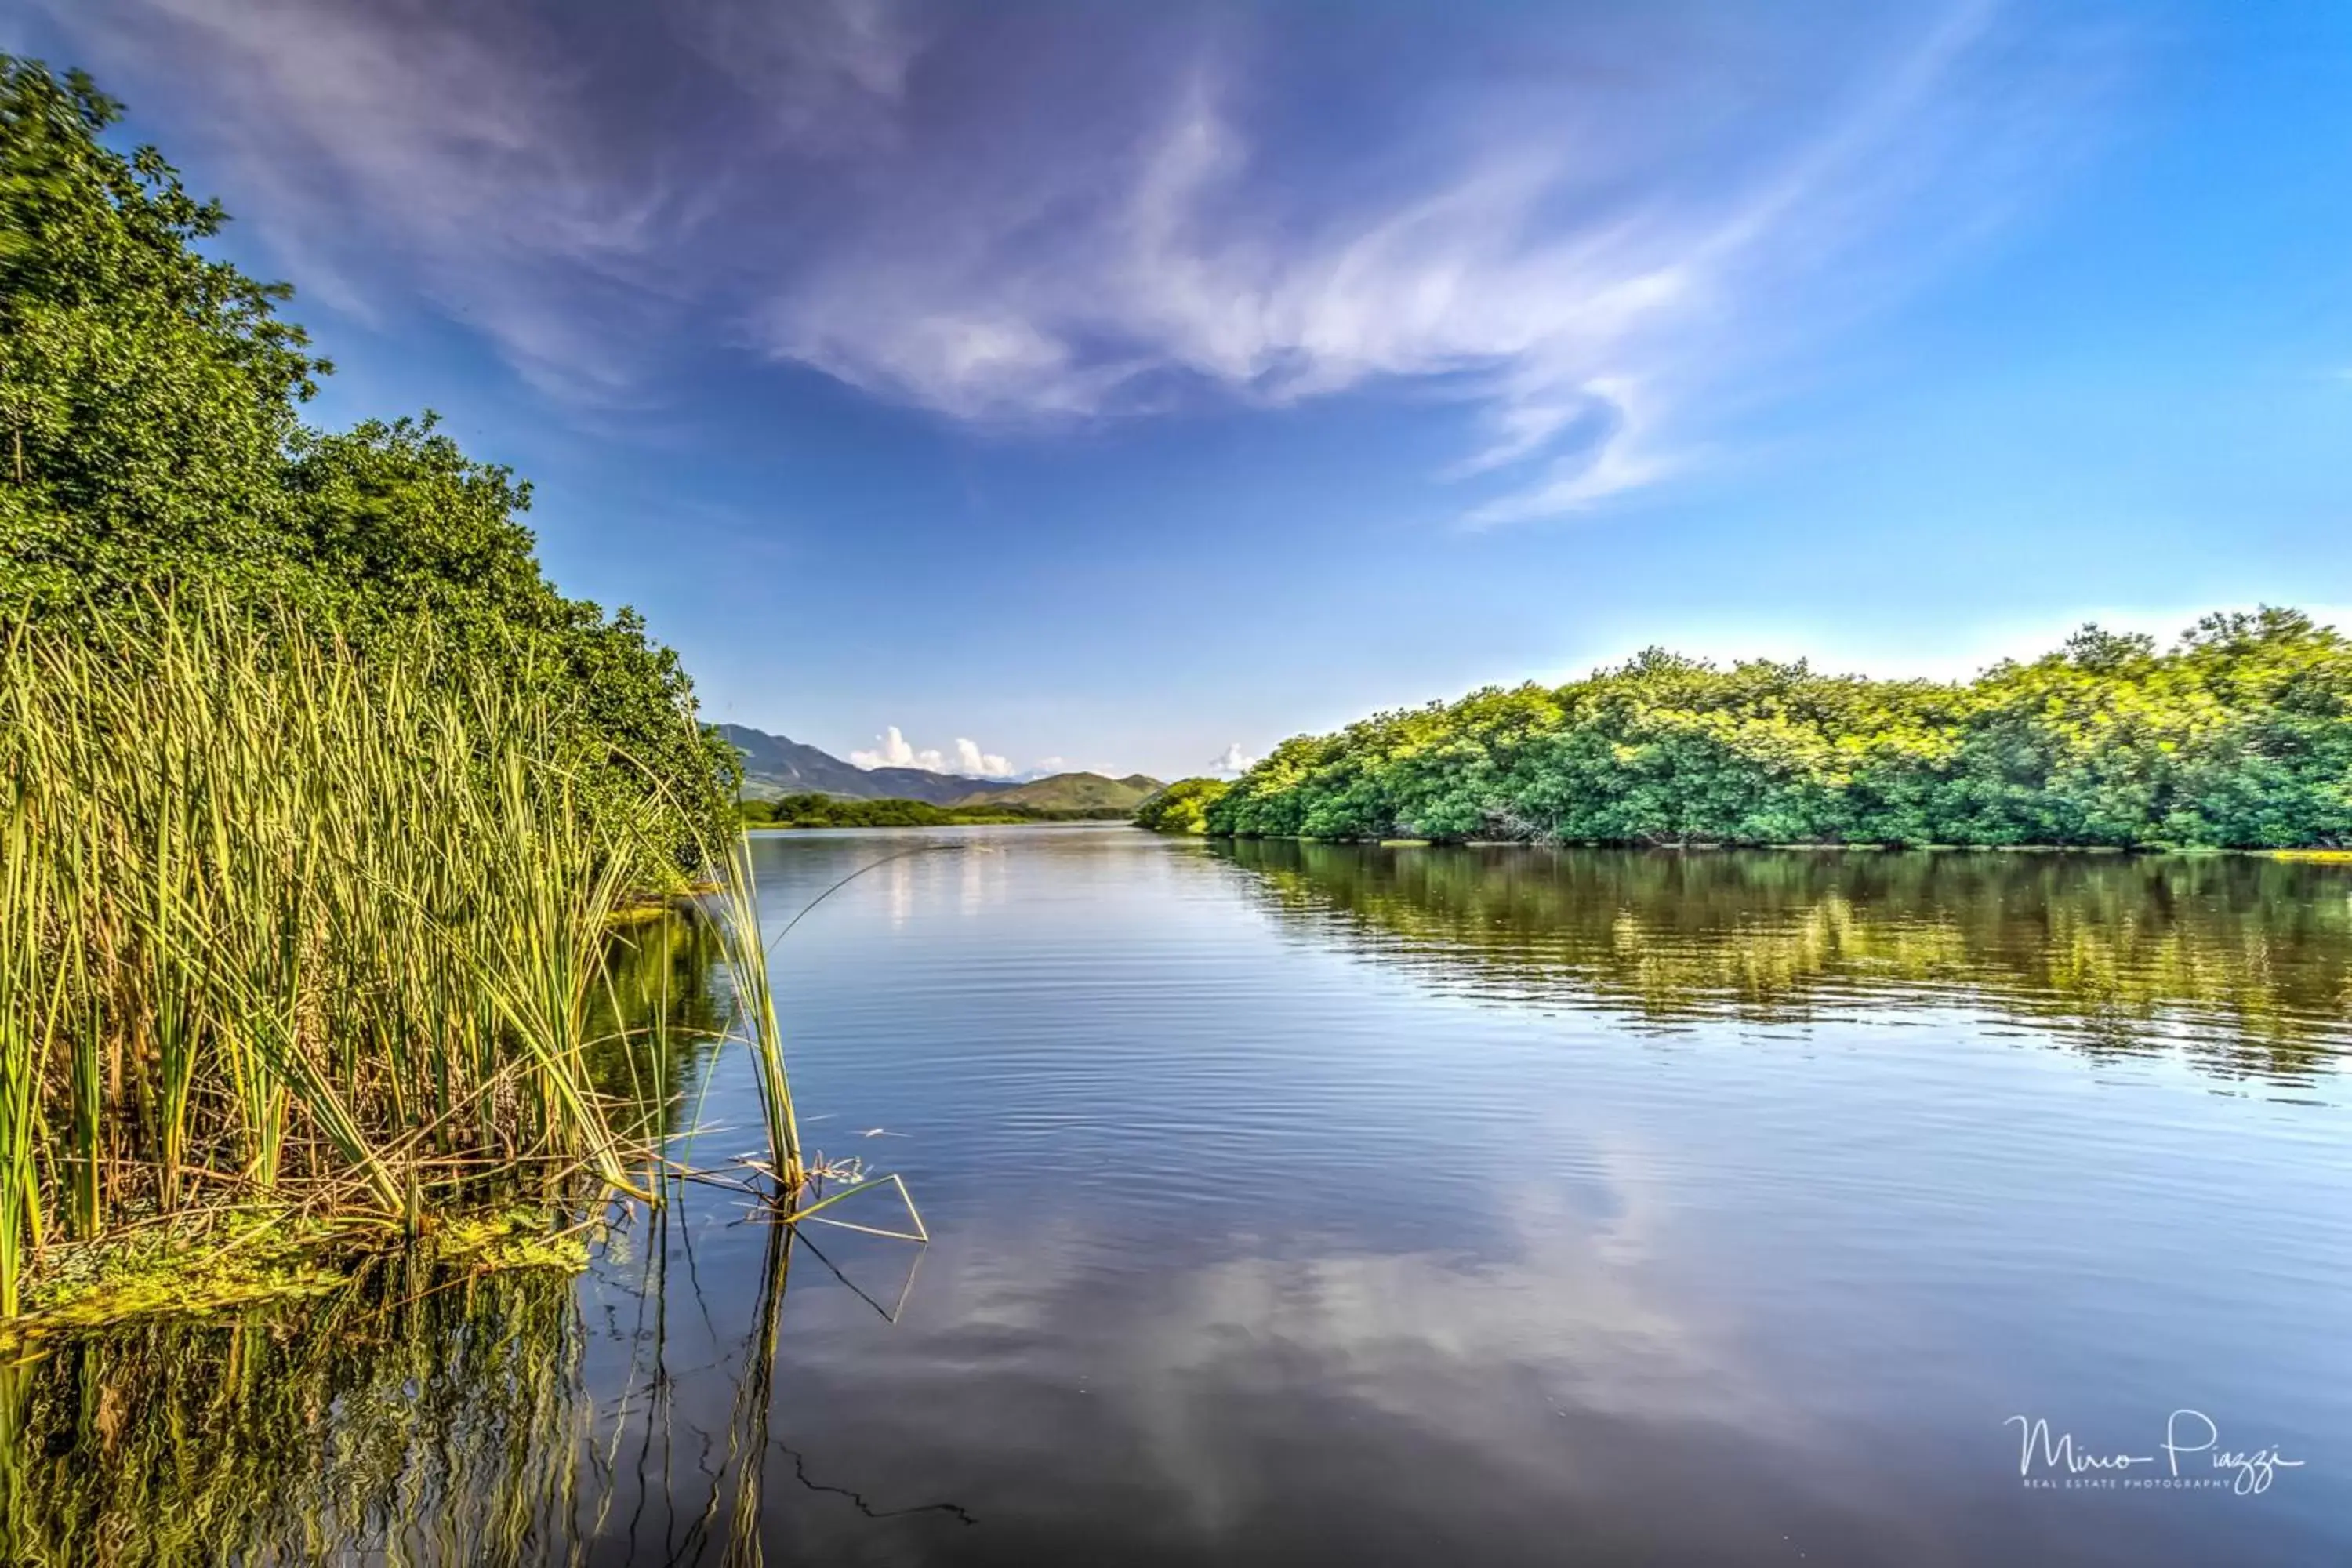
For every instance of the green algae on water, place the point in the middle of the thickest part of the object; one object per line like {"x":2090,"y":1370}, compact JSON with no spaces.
{"x":222,"y":1264}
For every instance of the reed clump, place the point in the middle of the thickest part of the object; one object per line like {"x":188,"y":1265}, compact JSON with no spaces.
{"x":288,"y":923}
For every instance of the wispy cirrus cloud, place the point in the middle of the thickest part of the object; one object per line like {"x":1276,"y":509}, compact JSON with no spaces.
{"x":1580,"y":227}
{"x":411,"y":151}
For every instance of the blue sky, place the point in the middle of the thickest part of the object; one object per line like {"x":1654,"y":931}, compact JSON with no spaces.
{"x":1110,"y":385}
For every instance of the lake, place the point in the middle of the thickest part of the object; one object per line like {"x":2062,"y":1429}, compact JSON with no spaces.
{"x":1299,"y":1204}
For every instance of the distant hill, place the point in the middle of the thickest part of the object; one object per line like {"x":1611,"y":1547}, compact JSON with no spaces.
{"x":777,"y":765}
{"x":1071,"y":792}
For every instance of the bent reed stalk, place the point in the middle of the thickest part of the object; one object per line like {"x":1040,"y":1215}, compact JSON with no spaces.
{"x":744,"y":946}
{"x":745,"y":952}
{"x":283,"y":922}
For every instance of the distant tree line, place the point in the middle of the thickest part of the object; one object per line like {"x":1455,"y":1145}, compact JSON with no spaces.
{"x":813,"y":810}
{"x":2240,"y":735}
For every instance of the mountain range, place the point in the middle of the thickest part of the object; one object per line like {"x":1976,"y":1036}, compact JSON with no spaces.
{"x":777,"y":765}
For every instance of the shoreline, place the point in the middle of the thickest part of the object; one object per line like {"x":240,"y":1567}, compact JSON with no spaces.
{"x":2307,"y":856}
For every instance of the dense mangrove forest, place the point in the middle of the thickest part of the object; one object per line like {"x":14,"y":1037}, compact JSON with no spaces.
{"x":2237,"y":736}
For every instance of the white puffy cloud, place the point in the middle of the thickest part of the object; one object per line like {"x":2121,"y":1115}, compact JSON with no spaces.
{"x":1232,"y":760}
{"x":970,"y":759}
{"x":897,"y":752}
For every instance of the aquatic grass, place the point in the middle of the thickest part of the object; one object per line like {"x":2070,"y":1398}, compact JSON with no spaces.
{"x":283,"y":917}
{"x":746,"y":953}
{"x":745,"y":948}
{"x":293,"y":922}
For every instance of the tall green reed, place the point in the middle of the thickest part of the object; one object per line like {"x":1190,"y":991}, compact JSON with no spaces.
{"x":283,"y":920}
{"x":746,"y":953}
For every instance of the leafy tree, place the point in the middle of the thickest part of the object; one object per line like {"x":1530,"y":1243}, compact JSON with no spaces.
{"x":150,"y":436}
{"x":1182,"y":807}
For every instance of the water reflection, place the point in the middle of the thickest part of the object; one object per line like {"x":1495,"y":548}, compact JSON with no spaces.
{"x":1247,"y":1252}
{"x":396,"y":1421}
{"x":653,"y":1027}
{"x":419,"y":1417}
{"x":2242,"y":965}
{"x":416,"y":1412}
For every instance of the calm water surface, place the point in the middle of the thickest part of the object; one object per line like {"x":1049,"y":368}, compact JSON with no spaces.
{"x":1299,"y":1204}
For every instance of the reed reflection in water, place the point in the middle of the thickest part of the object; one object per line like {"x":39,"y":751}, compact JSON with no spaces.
{"x":449,"y":1427}
{"x":415,"y":1419}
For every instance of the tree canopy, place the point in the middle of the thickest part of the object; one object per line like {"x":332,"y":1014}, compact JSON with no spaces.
{"x":150,"y":436}
{"x":1182,"y":807}
{"x":2238,"y":736}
